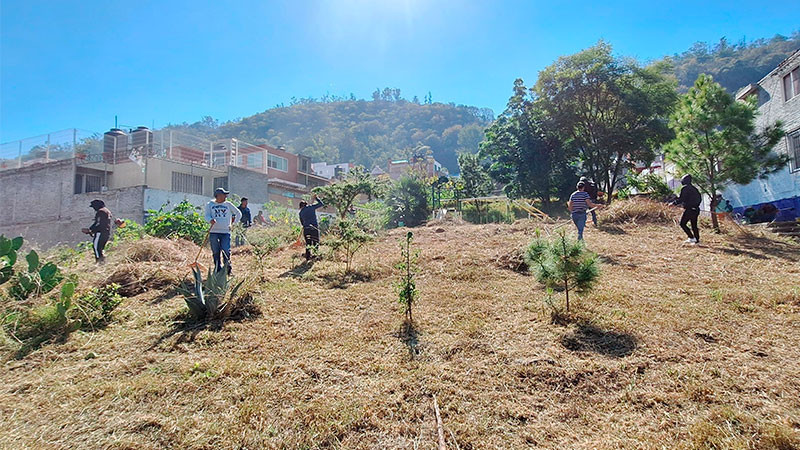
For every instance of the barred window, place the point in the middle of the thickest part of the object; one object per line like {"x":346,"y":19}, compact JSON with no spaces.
{"x":188,"y":183}
{"x":221,"y":182}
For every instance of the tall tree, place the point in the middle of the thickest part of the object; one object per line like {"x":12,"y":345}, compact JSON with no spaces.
{"x":475,"y":180}
{"x":612,"y":111}
{"x":525,"y":154}
{"x":716,"y":141}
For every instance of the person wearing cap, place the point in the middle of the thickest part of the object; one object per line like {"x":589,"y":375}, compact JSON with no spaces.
{"x":221,"y":214}
{"x":579,"y":203}
{"x":308,"y":219}
{"x":591,"y":189}
{"x":100,"y":230}
{"x":691,"y":199}
{"x":247,"y":221}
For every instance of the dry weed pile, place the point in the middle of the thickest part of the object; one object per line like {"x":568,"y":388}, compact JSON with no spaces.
{"x":158,"y":250}
{"x":138,"y":278}
{"x":638,"y":211}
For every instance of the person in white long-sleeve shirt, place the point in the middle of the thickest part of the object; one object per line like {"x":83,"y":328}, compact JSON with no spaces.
{"x":221,"y":214}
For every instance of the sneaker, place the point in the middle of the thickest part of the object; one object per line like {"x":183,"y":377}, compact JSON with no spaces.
{"x":691,"y":241}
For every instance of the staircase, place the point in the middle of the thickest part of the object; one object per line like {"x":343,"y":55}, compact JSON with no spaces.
{"x":787,"y":229}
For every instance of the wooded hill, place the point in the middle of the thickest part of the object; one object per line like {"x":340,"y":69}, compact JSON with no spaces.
{"x":733,"y":65}
{"x":360,"y":131}
{"x":368,"y":132}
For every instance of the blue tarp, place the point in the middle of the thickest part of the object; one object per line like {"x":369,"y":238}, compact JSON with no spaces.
{"x":788,"y":208}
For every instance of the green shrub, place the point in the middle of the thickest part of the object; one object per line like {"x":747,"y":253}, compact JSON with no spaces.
{"x":408,"y":202}
{"x":184,"y":221}
{"x":31,"y":327}
{"x":130,"y":232}
{"x":348,"y":237}
{"x":649,"y":184}
{"x":98,"y":304}
{"x":562,"y":264}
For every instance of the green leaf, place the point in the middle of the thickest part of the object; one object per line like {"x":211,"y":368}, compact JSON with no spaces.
{"x":16,"y":243}
{"x":48,"y":272}
{"x":33,"y":261}
{"x":67,"y":290}
{"x":5,"y":245}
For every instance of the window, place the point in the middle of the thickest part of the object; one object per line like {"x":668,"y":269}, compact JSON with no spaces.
{"x":188,"y":183}
{"x":791,"y":84}
{"x":252,"y":160}
{"x":277,"y":162}
{"x":221,"y":182}
{"x":793,"y":144}
{"x":86,"y":183}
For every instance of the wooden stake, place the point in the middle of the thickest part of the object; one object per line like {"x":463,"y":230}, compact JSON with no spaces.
{"x":439,"y":426}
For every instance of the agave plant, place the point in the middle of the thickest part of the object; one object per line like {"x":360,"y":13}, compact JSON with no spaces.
{"x":212,"y":299}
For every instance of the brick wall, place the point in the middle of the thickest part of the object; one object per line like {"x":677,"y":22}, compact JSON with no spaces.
{"x":41,"y":207}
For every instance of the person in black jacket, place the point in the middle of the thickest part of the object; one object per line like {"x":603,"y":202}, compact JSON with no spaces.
{"x":100,"y":229}
{"x":308,"y":219}
{"x":691,"y":199}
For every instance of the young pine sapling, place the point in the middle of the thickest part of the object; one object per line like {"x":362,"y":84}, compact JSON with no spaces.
{"x":562,"y":264}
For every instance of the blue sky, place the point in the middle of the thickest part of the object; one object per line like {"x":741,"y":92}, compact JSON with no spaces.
{"x":79,"y":63}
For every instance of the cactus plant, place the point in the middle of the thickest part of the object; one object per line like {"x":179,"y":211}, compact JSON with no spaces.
{"x":8,"y":256}
{"x":39,"y":279}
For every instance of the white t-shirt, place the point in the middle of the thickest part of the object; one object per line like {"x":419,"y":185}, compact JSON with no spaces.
{"x":223,"y":213}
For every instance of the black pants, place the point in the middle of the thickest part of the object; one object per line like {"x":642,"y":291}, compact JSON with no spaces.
{"x":311,"y":234}
{"x":691,"y":215}
{"x":99,"y":241}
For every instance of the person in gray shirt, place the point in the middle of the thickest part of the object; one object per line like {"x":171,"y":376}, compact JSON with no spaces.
{"x":221,"y":214}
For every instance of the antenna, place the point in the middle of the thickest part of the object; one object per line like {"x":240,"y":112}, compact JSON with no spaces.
{"x":115,"y":121}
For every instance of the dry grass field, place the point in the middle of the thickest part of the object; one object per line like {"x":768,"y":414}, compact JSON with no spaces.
{"x":678,"y":347}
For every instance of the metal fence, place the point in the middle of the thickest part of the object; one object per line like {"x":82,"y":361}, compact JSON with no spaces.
{"x":58,"y":145}
{"x":89,"y":147}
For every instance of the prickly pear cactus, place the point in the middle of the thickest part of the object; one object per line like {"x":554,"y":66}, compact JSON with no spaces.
{"x":8,"y":256}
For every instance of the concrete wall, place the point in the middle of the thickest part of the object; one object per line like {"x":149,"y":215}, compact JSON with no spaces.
{"x":41,"y":207}
{"x":785,"y":184}
{"x":250,"y":184}
{"x":159,"y":174}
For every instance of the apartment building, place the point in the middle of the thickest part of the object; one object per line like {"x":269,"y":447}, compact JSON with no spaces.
{"x":778,"y":99}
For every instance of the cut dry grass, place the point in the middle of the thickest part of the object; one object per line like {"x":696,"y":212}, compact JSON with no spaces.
{"x":678,"y":347}
{"x":639,"y":210}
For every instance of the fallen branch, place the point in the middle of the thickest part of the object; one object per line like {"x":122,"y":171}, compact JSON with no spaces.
{"x":439,"y":426}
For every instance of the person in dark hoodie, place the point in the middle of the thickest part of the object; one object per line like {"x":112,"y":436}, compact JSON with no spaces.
{"x":100,"y":230}
{"x":691,"y":199}
{"x":308,"y":219}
